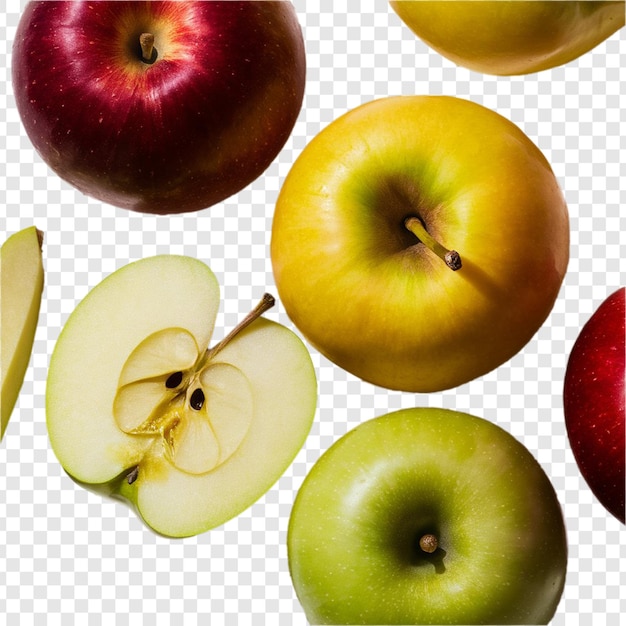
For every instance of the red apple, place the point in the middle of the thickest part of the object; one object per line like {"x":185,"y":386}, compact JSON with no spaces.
{"x":594,"y":403}
{"x":202,"y":116}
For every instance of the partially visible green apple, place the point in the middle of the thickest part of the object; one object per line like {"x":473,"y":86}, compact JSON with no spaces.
{"x":21,"y":286}
{"x":427,"y":516}
{"x":509,"y":37}
{"x":139,"y":406}
{"x":374,"y":201}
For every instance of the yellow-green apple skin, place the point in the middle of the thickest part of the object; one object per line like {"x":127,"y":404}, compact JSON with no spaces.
{"x":511,"y":37}
{"x":139,"y":407}
{"x":21,"y":287}
{"x":367,"y":293}
{"x":357,"y":525}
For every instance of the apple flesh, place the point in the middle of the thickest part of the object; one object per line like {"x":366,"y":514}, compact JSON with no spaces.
{"x":382,"y":206}
{"x":21,"y":287}
{"x":511,"y":37}
{"x":427,"y":516}
{"x":593,"y":402}
{"x":190,"y":435}
{"x":198,"y":120}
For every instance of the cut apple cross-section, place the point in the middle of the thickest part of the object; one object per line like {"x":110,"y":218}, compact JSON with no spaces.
{"x":192,"y":409}
{"x":190,"y":434}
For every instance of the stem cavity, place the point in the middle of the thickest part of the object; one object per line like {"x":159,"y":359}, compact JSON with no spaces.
{"x":450,"y":257}
{"x":148,"y":51}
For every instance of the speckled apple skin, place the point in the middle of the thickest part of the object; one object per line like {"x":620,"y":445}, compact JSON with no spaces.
{"x":594,"y":403}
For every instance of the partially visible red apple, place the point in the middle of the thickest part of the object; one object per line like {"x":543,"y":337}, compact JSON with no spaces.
{"x":594,"y":403}
{"x":202,"y":116}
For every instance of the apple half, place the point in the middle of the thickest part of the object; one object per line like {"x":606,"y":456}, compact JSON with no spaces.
{"x":138,"y":405}
{"x":21,"y":287}
{"x":427,"y":516}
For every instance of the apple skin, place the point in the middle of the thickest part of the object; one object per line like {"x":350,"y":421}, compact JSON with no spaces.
{"x":367,"y":293}
{"x":357,"y":519}
{"x":593,"y":402}
{"x":191,"y":129}
{"x":511,"y":37}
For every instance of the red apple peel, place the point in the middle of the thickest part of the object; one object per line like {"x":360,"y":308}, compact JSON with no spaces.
{"x":593,"y":403}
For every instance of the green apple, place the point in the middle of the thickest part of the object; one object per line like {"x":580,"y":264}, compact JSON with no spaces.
{"x":427,"y":516}
{"x":139,"y":407}
{"x":509,"y":37}
{"x":21,"y":286}
{"x":379,"y":210}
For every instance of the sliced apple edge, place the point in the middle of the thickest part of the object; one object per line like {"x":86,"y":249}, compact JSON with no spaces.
{"x":21,"y":289}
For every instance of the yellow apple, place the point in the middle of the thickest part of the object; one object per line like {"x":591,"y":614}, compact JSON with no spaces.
{"x":372,"y":203}
{"x":507,"y":37}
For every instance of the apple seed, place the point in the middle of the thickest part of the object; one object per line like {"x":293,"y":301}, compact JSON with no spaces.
{"x":174,"y":380}
{"x":197,"y":399}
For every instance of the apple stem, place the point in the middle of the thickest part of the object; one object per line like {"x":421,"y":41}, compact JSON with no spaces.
{"x":451,"y":257}
{"x":266,"y":303}
{"x":429,"y":543}
{"x":148,"y":51}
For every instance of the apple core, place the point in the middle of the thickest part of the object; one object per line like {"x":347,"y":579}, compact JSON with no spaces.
{"x":185,"y":412}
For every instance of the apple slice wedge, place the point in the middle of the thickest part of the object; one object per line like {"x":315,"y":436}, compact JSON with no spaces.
{"x":139,"y":407}
{"x":21,"y":286}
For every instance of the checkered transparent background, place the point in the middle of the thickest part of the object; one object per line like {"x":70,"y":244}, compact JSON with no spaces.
{"x":66,"y":552}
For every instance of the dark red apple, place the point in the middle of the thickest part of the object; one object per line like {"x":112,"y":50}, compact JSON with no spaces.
{"x":594,"y":403}
{"x":200,"y":117}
